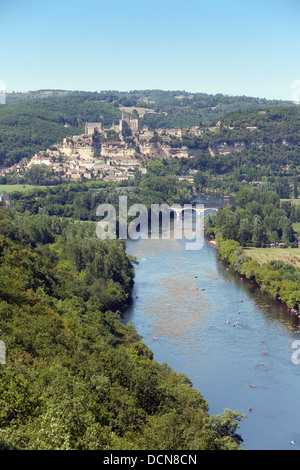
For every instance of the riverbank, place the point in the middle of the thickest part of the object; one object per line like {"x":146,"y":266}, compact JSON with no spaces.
{"x":275,"y":277}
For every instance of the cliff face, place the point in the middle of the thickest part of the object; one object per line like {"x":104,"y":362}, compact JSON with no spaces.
{"x":118,"y":152}
{"x":74,"y":148}
{"x":162,"y":151}
{"x":225,"y":148}
{"x":82,"y":148}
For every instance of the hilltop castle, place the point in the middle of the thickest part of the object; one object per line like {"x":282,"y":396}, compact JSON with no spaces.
{"x":126,"y":126}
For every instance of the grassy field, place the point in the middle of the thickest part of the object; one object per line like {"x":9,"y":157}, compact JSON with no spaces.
{"x":264,"y":255}
{"x":129,"y":109}
{"x":296,"y":227}
{"x":10,"y":188}
{"x":294,"y":201}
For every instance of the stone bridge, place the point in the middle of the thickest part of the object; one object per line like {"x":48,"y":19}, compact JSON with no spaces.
{"x":199,"y":209}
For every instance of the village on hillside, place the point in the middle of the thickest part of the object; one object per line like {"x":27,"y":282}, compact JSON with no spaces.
{"x":111,"y":154}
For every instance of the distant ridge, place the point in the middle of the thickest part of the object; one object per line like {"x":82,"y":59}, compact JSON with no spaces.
{"x":35,"y":120}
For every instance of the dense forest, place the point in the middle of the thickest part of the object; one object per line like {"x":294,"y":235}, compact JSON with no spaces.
{"x":80,"y":200}
{"x":257,"y":218}
{"x":75,"y":377}
{"x":182,"y":109}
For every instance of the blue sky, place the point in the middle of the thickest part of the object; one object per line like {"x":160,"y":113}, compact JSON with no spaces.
{"x":232,"y":47}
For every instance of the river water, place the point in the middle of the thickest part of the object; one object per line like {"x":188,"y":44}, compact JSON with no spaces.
{"x":232,"y":341}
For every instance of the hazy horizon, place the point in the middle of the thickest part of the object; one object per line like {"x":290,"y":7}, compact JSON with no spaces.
{"x":139,"y":90}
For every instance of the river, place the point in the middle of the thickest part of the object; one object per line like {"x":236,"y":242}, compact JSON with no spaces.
{"x":230,"y":339}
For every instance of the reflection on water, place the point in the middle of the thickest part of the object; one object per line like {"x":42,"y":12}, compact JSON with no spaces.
{"x":223,"y":333}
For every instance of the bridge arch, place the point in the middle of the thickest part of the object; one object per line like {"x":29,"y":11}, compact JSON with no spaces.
{"x":178,"y":211}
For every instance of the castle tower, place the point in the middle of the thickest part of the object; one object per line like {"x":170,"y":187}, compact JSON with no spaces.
{"x":134,"y":125}
{"x":124,"y":125}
